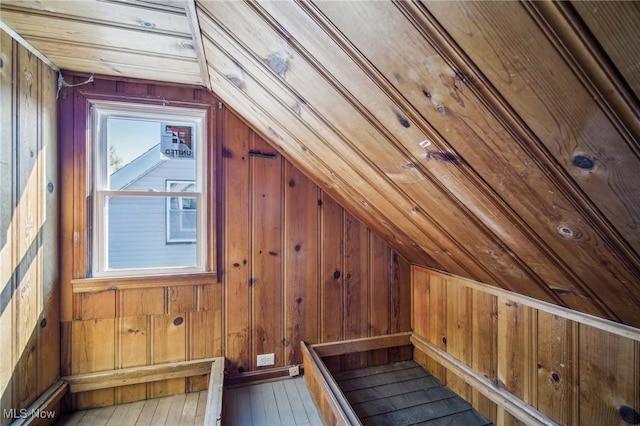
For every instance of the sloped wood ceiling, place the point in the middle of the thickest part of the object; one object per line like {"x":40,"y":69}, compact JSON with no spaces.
{"x":493,"y":140}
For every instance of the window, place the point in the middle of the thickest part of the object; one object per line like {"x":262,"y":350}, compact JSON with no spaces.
{"x":181,"y":213}
{"x":149,"y":190}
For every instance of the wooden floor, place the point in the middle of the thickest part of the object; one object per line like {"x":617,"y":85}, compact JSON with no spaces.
{"x":183,"y":409}
{"x":404,"y":393}
{"x":284,"y":402}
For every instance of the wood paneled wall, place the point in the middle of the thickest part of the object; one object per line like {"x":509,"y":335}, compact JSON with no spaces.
{"x":577,"y":374}
{"x":292,"y":265}
{"x":297,"y":265}
{"x":29,"y":351}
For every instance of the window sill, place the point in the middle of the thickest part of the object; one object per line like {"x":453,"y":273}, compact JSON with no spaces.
{"x":89,"y":285}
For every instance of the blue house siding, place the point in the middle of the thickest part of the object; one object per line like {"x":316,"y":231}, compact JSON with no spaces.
{"x":137,"y":225}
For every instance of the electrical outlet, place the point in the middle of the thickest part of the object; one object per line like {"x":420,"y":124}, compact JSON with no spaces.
{"x":294,"y":371}
{"x":266,"y":359}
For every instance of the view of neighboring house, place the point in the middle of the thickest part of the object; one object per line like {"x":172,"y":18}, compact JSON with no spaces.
{"x":149,"y":232}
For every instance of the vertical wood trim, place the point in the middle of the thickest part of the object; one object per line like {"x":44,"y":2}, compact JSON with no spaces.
{"x":238,"y":260}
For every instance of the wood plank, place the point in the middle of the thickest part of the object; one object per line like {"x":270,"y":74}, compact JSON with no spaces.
{"x":120,"y":14}
{"x":135,"y":408}
{"x":148,"y":410}
{"x":516,"y":357}
{"x":7,"y":208}
{"x":419,"y":384}
{"x":133,"y":375}
{"x":361,"y":344}
{"x":231,"y":407}
{"x":549,"y":84}
{"x":299,"y":412}
{"x":332,"y":273}
{"x":266,"y":252}
{"x":135,"y":302}
{"x":85,"y":285}
{"x":301,"y":267}
{"x":403,"y":401}
{"x":613,"y":26}
{"x":381,"y":379}
{"x":235,"y":164}
{"x":201,"y":408}
{"x":557,"y":392}
{"x":28,"y":234}
{"x":307,"y":402}
{"x":96,"y":305}
{"x":132,"y":338}
{"x":379,"y":295}
{"x":31,"y":26}
{"x":356,"y":313}
{"x":213,"y":412}
{"x":257,"y":407}
{"x":484,"y":347}
{"x":283,"y":404}
{"x":459,"y":334}
{"x":176,"y":408}
{"x":373,"y":370}
{"x":48,"y":338}
{"x":333,"y":407}
{"x":98,"y":416}
{"x":401,"y":294}
{"x":497,"y":394}
{"x":265,"y":122}
{"x":416,"y":414}
{"x":609,"y":376}
{"x":580,"y":317}
{"x":45,"y":403}
{"x":161,"y":412}
{"x":356,"y":83}
{"x":274,"y":413}
{"x":436,"y":306}
{"x":180,"y":299}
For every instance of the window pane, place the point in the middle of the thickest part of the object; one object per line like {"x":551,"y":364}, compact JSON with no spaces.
{"x":136,"y":160}
{"x":136,"y":233}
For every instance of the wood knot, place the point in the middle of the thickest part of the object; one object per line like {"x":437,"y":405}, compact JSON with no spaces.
{"x":629,"y":415}
{"x":178,"y":321}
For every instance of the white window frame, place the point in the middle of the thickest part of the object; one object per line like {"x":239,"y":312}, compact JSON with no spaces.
{"x":101,"y":111}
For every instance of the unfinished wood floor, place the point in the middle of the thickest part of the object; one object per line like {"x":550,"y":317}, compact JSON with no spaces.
{"x":183,"y":409}
{"x":285,"y":402}
{"x":404,"y":393}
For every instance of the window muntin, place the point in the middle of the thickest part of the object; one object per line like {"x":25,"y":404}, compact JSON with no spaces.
{"x":138,"y":151}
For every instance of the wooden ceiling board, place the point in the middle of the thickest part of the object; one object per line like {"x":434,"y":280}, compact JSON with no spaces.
{"x":361,"y":86}
{"x":132,"y":15}
{"x":111,"y":38}
{"x":300,"y":151}
{"x":498,"y":141}
{"x":614,"y":24}
{"x":478,"y":248}
{"x":564,"y":118}
{"x":365,"y":139}
{"x":37,"y":27}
